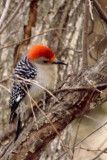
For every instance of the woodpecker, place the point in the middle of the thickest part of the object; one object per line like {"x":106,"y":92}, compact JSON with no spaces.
{"x":40,"y":65}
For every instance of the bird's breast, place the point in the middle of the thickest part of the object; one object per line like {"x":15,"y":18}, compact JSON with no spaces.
{"x":45,"y":79}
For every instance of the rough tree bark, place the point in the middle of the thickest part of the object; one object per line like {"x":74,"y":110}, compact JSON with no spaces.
{"x":57,"y":24}
{"x":86,"y":91}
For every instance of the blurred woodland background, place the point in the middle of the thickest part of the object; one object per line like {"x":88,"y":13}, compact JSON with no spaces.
{"x":76,"y":31}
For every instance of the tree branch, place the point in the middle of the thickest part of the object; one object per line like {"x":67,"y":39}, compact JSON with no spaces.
{"x":85,"y":35}
{"x":100,"y":10}
{"x":99,"y":154}
{"x":13,"y":16}
{"x":70,"y":106}
{"x":4,"y":12}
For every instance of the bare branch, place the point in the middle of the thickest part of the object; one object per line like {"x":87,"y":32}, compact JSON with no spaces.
{"x":72,"y":104}
{"x":85,"y":36}
{"x":102,"y":22}
{"x":85,"y":138}
{"x":23,"y":40}
{"x":13,"y":16}
{"x":99,"y":154}
{"x":100,"y":10}
{"x":4,"y":12}
{"x":5,"y":88}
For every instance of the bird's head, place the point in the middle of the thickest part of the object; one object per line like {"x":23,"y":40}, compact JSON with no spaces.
{"x":43,"y":55}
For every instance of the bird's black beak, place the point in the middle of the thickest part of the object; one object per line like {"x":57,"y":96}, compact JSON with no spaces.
{"x":58,"y":62}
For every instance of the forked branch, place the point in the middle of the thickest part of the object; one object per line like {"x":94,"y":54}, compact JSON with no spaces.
{"x":72,"y":103}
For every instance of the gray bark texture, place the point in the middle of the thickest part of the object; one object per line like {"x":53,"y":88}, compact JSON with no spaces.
{"x":57,"y":24}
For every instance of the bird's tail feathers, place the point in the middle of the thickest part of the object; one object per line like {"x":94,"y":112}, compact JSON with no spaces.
{"x":12,"y":117}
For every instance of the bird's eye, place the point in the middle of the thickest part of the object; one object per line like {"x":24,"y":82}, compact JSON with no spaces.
{"x":45,"y":61}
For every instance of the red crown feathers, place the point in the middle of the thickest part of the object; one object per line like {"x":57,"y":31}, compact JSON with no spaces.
{"x":38,"y":51}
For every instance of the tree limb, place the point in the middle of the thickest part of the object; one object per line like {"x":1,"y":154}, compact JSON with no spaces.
{"x":4,"y":12}
{"x":100,"y":10}
{"x":70,"y":106}
{"x":13,"y":16}
{"x":85,"y":36}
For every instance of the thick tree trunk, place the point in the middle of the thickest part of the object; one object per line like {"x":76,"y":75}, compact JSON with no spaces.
{"x":58,"y":25}
{"x":84,"y":93}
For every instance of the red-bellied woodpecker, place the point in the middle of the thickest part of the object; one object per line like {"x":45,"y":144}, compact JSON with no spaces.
{"x":39,"y":65}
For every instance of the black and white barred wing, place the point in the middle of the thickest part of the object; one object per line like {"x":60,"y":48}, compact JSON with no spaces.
{"x":23,"y":72}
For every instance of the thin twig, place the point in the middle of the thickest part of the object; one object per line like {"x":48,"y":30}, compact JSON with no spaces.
{"x":63,"y":144}
{"x":100,"y":10}
{"x":84,"y":139}
{"x":97,"y":86}
{"x":71,"y":48}
{"x":78,"y":126}
{"x":5,"y":88}
{"x":91,"y":133}
{"x":23,"y":40}
{"x":99,"y":154}
{"x":13,"y":16}
{"x":36,"y":83}
{"x":91,"y":150}
{"x":85,"y":36}
{"x":102,"y":22}
{"x":57,"y":32}
{"x":27,"y":92}
{"x":92,"y":57}
{"x":4,"y":12}
{"x":90,"y":9}
{"x":5,"y":79}
{"x":31,"y":99}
